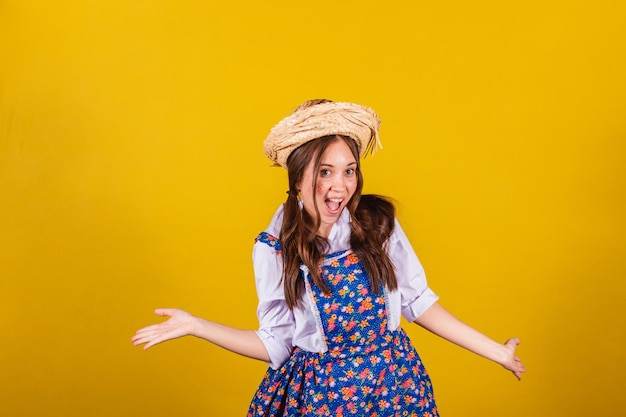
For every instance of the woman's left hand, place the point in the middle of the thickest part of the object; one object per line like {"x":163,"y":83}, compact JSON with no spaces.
{"x":513,"y":363}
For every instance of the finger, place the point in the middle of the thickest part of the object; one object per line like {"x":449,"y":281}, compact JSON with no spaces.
{"x":513,"y":342}
{"x":147,"y":329}
{"x":164,"y":311}
{"x":138,"y":340}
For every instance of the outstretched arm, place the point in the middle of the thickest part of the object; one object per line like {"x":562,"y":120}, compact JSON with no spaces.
{"x":442,"y":323}
{"x":182,"y":323}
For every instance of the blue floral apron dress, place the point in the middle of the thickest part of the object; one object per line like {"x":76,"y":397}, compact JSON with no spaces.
{"x":368,"y":370}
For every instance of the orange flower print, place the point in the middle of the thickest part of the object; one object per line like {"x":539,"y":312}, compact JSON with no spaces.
{"x":408,"y":399}
{"x":383,"y":404}
{"x":366,"y":305}
{"x":331,"y":322}
{"x":350,"y":325}
{"x":334,"y":263}
{"x":348,"y":392}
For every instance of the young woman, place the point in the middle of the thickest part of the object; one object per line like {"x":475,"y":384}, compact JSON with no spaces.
{"x":334,"y":274}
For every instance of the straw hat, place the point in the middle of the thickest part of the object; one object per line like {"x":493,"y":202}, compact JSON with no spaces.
{"x":317,"y":118}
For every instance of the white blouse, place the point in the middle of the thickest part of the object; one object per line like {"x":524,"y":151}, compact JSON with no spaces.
{"x":280,"y":329}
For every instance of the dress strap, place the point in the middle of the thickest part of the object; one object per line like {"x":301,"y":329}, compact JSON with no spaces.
{"x":269,"y":240}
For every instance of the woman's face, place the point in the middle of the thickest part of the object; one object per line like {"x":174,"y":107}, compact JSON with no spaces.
{"x":336,"y":184}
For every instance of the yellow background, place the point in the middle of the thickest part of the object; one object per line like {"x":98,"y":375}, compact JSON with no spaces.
{"x":132,"y":177}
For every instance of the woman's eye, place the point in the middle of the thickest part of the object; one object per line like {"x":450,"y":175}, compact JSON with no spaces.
{"x":350,"y":171}
{"x":325,"y":172}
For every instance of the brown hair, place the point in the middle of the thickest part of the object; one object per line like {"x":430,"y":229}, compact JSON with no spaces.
{"x":372,"y":223}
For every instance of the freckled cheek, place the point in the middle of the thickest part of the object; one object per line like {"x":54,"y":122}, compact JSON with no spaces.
{"x":321,"y":187}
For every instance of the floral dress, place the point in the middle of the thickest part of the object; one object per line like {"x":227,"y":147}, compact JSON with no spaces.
{"x":368,"y":370}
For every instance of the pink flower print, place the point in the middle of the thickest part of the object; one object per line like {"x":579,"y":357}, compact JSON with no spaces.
{"x":350,"y":325}
{"x":348,"y":392}
{"x":408,"y":384}
{"x":331,"y":322}
{"x":366,"y":305}
{"x":335,"y":279}
{"x":323,"y":411}
{"x":365,"y":373}
{"x":363,"y":291}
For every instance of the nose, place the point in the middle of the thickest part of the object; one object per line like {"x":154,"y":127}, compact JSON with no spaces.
{"x":338,"y":182}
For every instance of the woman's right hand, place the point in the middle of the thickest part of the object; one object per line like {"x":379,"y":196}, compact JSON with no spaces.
{"x":180,"y":324}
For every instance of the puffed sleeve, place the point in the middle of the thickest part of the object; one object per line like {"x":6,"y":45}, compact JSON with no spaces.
{"x":276,"y":320}
{"x":415,"y":295}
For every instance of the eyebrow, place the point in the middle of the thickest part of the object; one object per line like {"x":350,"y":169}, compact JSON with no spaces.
{"x":330,"y":165}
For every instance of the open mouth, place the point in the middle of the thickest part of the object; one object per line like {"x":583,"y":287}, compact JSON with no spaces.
{"x":333,"y":204}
